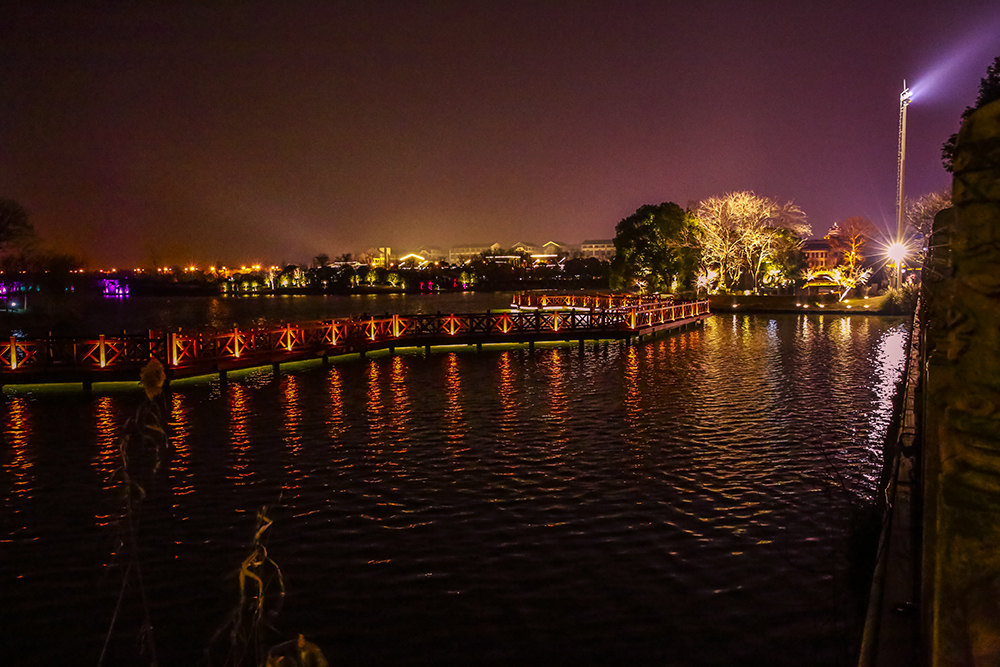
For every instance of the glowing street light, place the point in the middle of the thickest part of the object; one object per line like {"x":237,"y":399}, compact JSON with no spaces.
{"x":904,"y":101}
{"x":896,"y":252}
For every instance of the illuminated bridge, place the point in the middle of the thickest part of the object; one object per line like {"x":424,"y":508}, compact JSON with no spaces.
{"x":532,"y":319}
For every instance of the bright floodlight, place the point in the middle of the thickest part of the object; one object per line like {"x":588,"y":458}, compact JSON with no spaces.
{"x":896,"y":253}
{"x":905,"y":96}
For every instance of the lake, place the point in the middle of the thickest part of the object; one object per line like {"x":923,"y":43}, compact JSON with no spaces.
{"x":691,"y":500}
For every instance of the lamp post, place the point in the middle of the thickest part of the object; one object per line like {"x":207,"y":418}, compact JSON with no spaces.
{"x":904,"y":101}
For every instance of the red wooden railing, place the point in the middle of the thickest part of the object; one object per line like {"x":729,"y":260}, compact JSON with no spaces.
{"x":206,"y":351}
{"x":595,"y":301}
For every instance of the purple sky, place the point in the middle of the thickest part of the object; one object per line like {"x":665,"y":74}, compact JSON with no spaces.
{"x":276,"y":131}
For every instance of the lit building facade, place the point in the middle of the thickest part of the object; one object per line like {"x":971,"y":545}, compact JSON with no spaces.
{"x":381,"y":257}
{"x":423,"y":254}
{"x":463,"y":253}
{"x":603,"y":249}
{"x":526,"y":248}
{"x":556,"y":248}
{"x":818,"y":254}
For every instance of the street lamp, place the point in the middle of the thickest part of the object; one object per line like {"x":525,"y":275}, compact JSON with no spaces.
{"x":896,"y":252}
{"x":904,"y":101}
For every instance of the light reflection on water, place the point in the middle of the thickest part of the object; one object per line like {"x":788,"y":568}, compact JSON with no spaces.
{"x":180,"y":432}
{"x":633,"y":406}
{"x":454,"y":427}
{"x":107,"y":426}
{"x":292,"y":435}
{"x":507,"y":391}
{"x":335,"y":406}
{"x":376,"y":420}
{"x":17,"y":460}
{"x":107,"y":456}
{"x":399,"y":412}
{"x":675,"y":501}
{"x":890,"y":359}
{"x":239,"y":432}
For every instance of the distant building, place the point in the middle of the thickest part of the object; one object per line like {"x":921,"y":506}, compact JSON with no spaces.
{"x":463,"y":253}
{"x":381,"y":257}
{"x":426,"y":254}
{"x":526,"y":248}
{"x":818,"y":254}
{"x":603,"y":250}
{"x":556,"y":248}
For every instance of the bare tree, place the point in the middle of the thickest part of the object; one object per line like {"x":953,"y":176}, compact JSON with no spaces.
{"x":920,"y":212}
{"x":850,"y":238}
{"x":742,"y":231}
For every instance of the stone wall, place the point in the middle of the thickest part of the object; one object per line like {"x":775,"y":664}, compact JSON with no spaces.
{"x":960,"y":582}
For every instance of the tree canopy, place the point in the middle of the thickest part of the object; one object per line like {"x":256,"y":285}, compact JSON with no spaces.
{"x":989,"y":91}
{"x":731,"y":238}
{"x":15,"y":228}
{"x":744,"y":232}
{"x":656,"y":249}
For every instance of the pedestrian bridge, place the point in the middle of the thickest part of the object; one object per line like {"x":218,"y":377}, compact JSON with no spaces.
{"x":532,"y":318}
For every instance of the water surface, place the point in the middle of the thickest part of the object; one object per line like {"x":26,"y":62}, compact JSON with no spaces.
{"x":687,"y":501}
{"x":83,"y":314}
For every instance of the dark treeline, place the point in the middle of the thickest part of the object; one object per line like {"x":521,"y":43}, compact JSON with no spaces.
{"x":486,"y":273}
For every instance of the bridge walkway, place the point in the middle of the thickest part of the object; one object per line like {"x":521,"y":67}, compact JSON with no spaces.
{"x":185,"y":354}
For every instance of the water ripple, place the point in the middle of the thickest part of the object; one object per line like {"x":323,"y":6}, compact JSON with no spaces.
{"x":682,"y":501}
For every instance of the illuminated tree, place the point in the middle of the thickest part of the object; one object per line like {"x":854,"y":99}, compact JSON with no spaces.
{"x":849,"y":238}
{"x":920,"y":212}
{"x":785,"y":263}
{"x":270,"y":275}
{"x":656,"y":249}
{"x":742,"y":231}
{"x":840,"y":275}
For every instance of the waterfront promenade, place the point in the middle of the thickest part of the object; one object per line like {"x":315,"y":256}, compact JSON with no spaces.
{"x":532,"y":319}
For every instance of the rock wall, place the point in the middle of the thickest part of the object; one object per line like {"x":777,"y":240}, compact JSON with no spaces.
{"x":961,"y":458}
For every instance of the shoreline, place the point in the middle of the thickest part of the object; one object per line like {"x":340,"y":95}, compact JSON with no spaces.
{"x":740,"y":303}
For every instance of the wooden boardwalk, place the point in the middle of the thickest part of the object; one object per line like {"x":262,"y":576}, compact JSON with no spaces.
{"x":534,"y":319}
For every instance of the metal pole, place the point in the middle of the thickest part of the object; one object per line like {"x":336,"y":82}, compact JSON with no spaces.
{"x":904,"y":100}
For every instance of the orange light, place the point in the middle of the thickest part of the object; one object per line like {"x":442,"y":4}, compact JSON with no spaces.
{"x":452,"y":324}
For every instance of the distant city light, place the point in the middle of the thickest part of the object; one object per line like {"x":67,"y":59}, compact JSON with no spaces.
{"x":115,"y":289}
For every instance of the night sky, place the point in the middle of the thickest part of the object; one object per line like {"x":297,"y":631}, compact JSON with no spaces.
{"x":202,"y":132}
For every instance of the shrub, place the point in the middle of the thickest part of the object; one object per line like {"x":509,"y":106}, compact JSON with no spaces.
{"x":900,"y":301}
